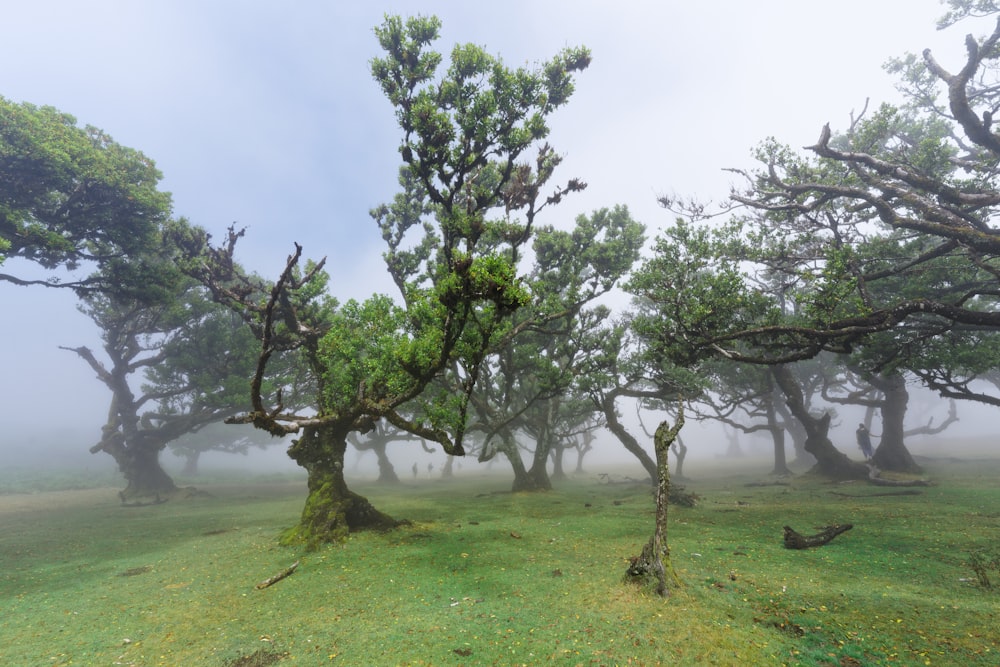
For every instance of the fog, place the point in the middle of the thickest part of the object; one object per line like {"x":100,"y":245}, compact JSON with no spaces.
{"x":268,"y":117}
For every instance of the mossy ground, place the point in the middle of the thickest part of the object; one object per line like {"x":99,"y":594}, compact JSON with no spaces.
{"x":484,"y":577}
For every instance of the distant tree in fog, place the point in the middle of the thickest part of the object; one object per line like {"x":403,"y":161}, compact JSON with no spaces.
{"x":218,"y":437}
{"x":529,"y":396}
{"x":173,"y":360}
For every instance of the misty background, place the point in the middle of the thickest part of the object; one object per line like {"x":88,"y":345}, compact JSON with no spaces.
{"x":265,"y":115}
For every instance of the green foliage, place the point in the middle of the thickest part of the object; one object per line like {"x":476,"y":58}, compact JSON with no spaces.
{"x":70,"y":195}
{"x":691,"y":293}
{"x":362,"y":351}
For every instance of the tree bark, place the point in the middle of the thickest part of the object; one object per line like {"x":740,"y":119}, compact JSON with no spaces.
{"x":332,"y":511}
{"x":654,"y":564}
{"x":830,"y":461}
{"x":776,"y":431}
{"x":614,"y":425}
{"x":680,"y":453}
{"x":793,"y":427}
{"x":582,"y":449}
{"x":892,"y":453}
{"x":538,"y":475}
{"x":138,"y":460}
{"x":524,"y":479}
{"x":557,"y":463}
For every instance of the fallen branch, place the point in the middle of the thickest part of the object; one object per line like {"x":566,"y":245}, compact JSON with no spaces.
{"x":907,"y":492}
{"x":278,"y":577}
{"x":794,"y":540}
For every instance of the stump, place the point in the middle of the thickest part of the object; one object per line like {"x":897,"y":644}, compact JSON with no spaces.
{"x":794,"y":540}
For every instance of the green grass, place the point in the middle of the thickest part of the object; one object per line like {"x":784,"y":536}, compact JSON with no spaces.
{"x":484,"y":577}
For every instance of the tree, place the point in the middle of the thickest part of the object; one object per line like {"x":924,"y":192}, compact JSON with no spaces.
{"x":376,"y":441}
{"x":72,"y":197}
{"x":880,"y":245}
{"x":455,"y":235}
{"x":217,"y":437}
{"x":908,"y":197}
{"x":195,"y":358}
{"x":653,"y":565}
{"x":528,"y":387}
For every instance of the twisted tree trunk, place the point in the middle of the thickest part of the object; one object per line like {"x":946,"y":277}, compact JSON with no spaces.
{"x":830,"y":461}
{"x":653,"y":565}
{"x":145,"y":476}
{"x":332,"y":511}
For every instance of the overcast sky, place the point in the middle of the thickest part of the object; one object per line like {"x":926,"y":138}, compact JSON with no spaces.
{"x":265,"y":114}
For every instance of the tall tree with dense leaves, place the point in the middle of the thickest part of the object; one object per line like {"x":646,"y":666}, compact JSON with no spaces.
{"x":455,"y":236}
{"x":72,"y":198}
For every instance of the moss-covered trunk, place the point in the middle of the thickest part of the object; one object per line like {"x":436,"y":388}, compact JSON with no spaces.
{"x":653,"y":566}
{"x":332,"y":511}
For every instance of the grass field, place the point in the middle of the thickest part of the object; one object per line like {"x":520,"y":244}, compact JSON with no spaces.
{"x":484,"y":577}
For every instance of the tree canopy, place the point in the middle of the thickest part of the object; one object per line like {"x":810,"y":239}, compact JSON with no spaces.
{"x":72,"y":197}
{"x":455,"y":236}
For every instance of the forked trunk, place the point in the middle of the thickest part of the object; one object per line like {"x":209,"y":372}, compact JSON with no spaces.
{"x":537,"y":479}
{"x":524,"y":479}
{"x":332,"y":511}
{"x":538,"y":474}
